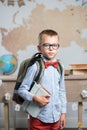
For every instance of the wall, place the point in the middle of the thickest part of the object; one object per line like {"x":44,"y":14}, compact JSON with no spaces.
{"x":20,"y":26}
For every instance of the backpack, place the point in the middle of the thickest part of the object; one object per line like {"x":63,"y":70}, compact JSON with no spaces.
{"x":36,"y":58}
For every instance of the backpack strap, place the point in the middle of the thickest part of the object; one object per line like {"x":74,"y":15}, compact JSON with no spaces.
{"x":37,"y":58}
{"x":40,"y":70}
{"x":60,"y":68}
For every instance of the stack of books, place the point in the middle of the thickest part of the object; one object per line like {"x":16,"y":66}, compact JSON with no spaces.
{"x":79,"y":69}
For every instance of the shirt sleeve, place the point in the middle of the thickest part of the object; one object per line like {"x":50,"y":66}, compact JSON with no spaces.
{"x":27,"y":81}
{"x":62,"y":93}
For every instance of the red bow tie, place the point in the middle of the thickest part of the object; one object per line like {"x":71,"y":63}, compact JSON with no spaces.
{"x":55,"y":64}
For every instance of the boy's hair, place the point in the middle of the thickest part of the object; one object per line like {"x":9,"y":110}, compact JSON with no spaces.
{"x":48,"y":32}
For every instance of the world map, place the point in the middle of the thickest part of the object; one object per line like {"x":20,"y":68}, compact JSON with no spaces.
{"x":20,"y":26}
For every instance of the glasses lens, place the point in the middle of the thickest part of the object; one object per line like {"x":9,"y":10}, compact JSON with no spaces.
{"x":45,"y":45}
{"x":54,"y":46}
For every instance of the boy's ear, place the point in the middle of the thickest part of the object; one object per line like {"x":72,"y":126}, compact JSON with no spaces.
{"x":38,"y":47}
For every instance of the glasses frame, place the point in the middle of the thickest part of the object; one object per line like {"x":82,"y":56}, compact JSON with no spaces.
{"x":47,"y":46}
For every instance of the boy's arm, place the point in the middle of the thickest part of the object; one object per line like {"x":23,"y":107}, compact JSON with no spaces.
{"x":62,"y":93}
{"x":63,"y":100}
{"x":62,"y":122}
{"x":23,"y":90}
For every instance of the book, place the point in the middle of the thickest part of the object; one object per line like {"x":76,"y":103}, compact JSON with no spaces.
{"x":32,"y":107}
{"x":79,"y":71}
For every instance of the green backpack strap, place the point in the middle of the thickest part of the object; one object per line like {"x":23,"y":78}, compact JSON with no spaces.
{"x":60,"y":68}
{"x":40,"y":70}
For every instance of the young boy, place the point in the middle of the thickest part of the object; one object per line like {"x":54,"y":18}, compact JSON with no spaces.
{"x":53,"y":112}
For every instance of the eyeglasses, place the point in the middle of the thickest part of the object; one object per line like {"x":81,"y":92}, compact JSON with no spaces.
{"x":47,"y":45}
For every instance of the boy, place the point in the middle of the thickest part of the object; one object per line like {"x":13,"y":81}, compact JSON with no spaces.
{"x":53,"y":112}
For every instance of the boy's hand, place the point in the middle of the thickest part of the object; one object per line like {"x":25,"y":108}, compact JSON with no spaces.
{"x":42,"y":100}
{"x":62,"y":121}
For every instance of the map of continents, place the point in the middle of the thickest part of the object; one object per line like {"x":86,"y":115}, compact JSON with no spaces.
{"x":70,"y":23}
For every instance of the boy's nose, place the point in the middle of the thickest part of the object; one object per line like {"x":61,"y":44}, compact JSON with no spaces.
{"x":50,"y":48}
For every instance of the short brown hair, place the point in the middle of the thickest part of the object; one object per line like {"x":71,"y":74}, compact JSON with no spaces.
{"x":48,"y":32}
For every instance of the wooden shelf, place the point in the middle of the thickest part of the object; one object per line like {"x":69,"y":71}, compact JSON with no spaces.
{"x":78,"y":69}
{"x":78,"y":66}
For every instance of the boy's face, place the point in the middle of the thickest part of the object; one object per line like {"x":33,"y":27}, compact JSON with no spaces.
{"x":49,"y":46}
